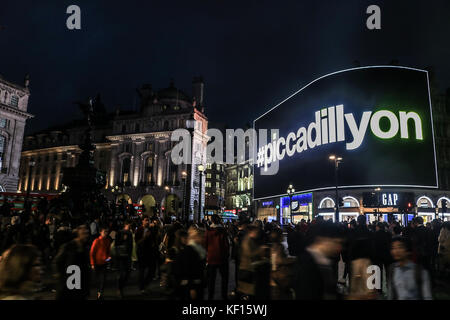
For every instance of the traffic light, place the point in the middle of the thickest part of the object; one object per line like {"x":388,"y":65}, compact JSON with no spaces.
{"x":409,"y":207}
{"x":444,"y":205}
{"x":172,"y":203}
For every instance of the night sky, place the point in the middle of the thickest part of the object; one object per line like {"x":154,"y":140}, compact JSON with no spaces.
{"x":252,"y":54}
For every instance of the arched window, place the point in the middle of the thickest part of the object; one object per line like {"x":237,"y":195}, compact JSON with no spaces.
{"x":424,"y":202}
{"x":326,"y":203}
{"x":439,"y":202}
{"x":350,"y":202}
{"x":126,"y":170}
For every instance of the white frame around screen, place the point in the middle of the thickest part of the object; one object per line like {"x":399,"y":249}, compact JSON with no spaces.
{"x":356,"y":186}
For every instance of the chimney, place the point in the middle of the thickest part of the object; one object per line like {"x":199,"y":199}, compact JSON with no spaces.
{"x":27,"y":81}
{"x":198,"y":88}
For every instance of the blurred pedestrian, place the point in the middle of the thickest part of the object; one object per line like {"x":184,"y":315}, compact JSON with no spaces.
{"x":315,"y":278}
{"x":217,"y":258}
{"x":123,"y":250}
{"x":20,"y":271}
{"x":407,"y":280}
{"x":191,"y":264}
{"x":74,"y":253}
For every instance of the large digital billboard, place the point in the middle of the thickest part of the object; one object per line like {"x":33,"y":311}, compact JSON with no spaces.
{"x":377,"y":119}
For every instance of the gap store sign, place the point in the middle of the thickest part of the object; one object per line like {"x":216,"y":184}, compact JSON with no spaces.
{"x":378,"y":119}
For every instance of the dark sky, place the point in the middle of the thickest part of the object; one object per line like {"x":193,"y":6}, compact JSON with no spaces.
{"x":252,"y":54}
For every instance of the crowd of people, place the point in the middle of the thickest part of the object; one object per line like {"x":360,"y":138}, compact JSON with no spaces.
{"x":270,"y":261}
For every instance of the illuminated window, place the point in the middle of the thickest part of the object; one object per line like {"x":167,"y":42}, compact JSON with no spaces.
{"x":148,"y":169}
{"x":2,"y":148}
{"x":126,"y":170}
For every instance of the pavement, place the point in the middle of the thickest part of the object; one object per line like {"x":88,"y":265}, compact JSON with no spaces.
{"x":441,"y":289}
{"x":131,"y":291}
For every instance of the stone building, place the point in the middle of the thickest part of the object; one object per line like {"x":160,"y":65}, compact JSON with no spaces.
{"x":132,"y":147}
{"x":215,"y":187}
{"x":239,"y":187}
{"x":13,"y":115}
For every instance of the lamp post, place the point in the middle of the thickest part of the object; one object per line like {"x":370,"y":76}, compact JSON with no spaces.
{"x":200,"y":168}
{"x":190,"y":125}
{"x":336,"y":160}
{"x":183,"y":212}
{"x":290,"y":192}
{"x":165,"y":214}
{"x":31,"y":165}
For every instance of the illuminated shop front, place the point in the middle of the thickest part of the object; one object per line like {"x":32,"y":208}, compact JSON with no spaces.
{"x":300,"y":208}
{"x":443,"y":215}
{"x":385,"y":205}
{"x":268,"y":210}
{"x":349,"y":211}
{"x":426,"y":209}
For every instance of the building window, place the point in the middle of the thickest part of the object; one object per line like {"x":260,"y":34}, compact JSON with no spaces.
{"x":217,"y":185}
{"x":149,"y":146}
{"x":2,"y":148}
{"x":3,"y":123}
{"x":208,"y":176}
{"x":208,"y":184}
{"x":138,"y":128}
{"x":217,"y":176}
{"x":15,"y":101}
{"x":64,"y":156}
{"x":148,"y":170}
{"x":126,"y":170}
{"x":173,"y":173}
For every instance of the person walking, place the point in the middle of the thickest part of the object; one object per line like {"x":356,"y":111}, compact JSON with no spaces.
{"x":191,"y":266}
{"x":218,"y":252}
{"x":20,"y":271}
{"x":123,"y":251}
{"x":73,"y":253}
{"x":251,"y":254}
{"x":444,"y":248}
{"x":315,"y":278}
{"x":100,"y":255}
{"x":145,"y":254}
{"x":407,"y":280}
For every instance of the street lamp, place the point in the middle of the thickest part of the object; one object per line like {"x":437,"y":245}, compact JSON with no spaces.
{"x":183,"y":178}
{"x":336,"y":160}
{"x":31,"y":164}
{"x":190,"y":125}
{"x":200,"y":168}
{"x":290,"y":192}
